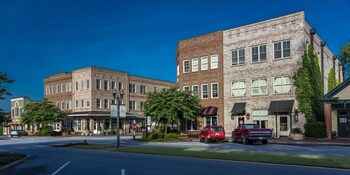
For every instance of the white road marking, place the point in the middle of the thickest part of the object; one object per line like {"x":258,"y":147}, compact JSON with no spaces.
{"x":60,"y":168}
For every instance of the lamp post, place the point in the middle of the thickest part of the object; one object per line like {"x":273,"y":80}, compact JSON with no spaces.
{"x":118,"y":96}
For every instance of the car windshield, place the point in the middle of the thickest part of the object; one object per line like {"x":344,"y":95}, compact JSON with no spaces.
{"x":217,"y":128}
{"x":250,"y":126}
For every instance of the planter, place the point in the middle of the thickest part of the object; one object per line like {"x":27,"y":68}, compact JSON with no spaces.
{"x":296,"y":136}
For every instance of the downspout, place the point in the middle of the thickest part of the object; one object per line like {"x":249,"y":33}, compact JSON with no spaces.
{"x":323,"y":44}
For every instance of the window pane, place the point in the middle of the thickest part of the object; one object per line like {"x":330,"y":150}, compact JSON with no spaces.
{"x":205,"y":91}
{"x":259,"y":87}
{"x":277,"y":50}
{"x":186,"y":66}
{"x":195,"y":65}
{"x":238,"y":89}
{"x":234,"y":57}
{"x":255,"y":54}
{"x":214,"y":62}
{"x":195,"y":90}
{"x":282,"y":85}
{"x":214,"y":90}
{"x":204,"y":63}
{"x":286,"y":48}
{"x":263,"y":53}
{"x":241,"y":56}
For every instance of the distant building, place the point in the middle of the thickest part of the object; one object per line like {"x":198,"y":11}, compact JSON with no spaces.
{"x":251,"y":80}
{"x":86,"y":95}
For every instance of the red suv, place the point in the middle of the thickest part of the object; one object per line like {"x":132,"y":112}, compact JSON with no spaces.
{"x":212,"y":133}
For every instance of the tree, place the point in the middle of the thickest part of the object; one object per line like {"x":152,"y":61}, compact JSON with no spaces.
{"x":42,"y":113}
{"x":332,"y":82}
{"x":171,"y":106}
{"x":3,"y":91}
{"x":345,"y":57}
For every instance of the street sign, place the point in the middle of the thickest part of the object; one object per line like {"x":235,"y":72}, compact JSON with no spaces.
{"x":114,"y":111}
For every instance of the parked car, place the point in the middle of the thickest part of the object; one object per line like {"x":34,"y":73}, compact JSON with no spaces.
{"x":250,"y":133}
{"x":212,"y":133}
{"x":17,"y":133}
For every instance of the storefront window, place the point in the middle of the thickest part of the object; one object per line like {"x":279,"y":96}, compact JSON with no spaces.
{"x":211,"y":121}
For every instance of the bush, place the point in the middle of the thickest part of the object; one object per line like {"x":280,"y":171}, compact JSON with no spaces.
{"x":45,"y":131}
{"x":158,"y":135}
{"x":297,"y":131}
{"x":315,"y":129}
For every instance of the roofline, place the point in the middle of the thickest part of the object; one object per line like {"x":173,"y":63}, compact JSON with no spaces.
{"x":17,"y":97}
{"x":337,"y":89}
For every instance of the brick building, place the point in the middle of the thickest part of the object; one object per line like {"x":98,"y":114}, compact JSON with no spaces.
{"x":256,"y":63}
{"x":86,"y":95}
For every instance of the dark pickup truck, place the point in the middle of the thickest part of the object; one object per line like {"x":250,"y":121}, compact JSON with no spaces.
{"x":250,"y":133}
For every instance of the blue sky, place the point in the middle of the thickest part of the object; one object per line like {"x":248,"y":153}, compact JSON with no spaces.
{"x":41,"y":37}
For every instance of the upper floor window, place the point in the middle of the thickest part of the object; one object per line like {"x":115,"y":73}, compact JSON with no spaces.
{"x":120,"y":86}
{"x":76,"y":103}
{"x":186,"y":88}
{"x":214,"y":61}
{"x":81,"y":85}
{"x":63,"y":87}
{"x":238,"y":89}
{"x":105,"y":85}
{"x":87,"y":103}
{"x":204,"y":63}
{"x":187,"y":66}
{"x":205,"y":91}
{"x":113,"y":84}
{"x":259,"y":87}
{"x":282,"y":85}
{"x":132,"y":88}
{"x":281,"y":49}
{"x":214,"y":90}
{"x":58,"y":88}
{"x":98,"y":84}
{"x":195,"y":64}
{"x":195,"y":90}
{"x":98,"y":103}
{"x":259,"y":54}
{"x":132,"y":106}
{"x":76,"y":86}
{"x":82,"y":103}
{"x":105,"y":103}
{"x":238,"y":56}
{"x":142,"y":106}
{"x":142,"y":89}
{"x":87,"y":84}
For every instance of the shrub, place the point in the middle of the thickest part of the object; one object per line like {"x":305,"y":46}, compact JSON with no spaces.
{"x":315,"y":129}
{"x":172,"y":136}
{"x":297,"y":131}
{"x":45,"y":131}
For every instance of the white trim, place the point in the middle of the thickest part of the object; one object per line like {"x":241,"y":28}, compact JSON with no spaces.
{"x":202,"y":91}
{"x":207,"y":65}
{"x":183,"y":66}
{"x":211,"y":89}
{"x":211,"y":61}
{"x":192,"y":65}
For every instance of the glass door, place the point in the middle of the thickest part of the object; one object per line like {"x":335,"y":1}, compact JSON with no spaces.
{"x":284,"y":126}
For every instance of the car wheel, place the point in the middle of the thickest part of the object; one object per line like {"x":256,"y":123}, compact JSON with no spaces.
{"x":264,"y":142}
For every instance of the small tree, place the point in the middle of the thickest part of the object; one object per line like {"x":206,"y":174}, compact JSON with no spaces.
{"x":331,"y":80}
{"x":171,"y":106}
{"x":3,"y":90}
{"x":42,"y":113}
{"x":345,"y":57}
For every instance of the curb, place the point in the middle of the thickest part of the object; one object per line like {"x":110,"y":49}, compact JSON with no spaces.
{"x":311,"y":144}
{"x":14,"y":163}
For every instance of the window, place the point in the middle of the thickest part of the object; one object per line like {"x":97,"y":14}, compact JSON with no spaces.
{"x":205,"y":91}
{"x":76,"y":103}
{"x":282,"y":85}
{"x":195,"y":64}
{"x":113,"y":85}
{"x":186,"y":88}
{"x":81,"y":85}
{"x":120,"y":86}
{"x":204,"y":63}
{"x":87,"y":84}
{"x":98,"y":103}
{"x":211,"y":121}
{"x":132,"y":88}
{"x":155,"y":89}
{"x":238,"y":89}
{"x":214,"y":61}
{"x":259,"y":87}
{"x":131,"y":105}
{"x":142,"y":106}
{"x":67,"y":104}
{"x":82,"y":103}
{"x":238,"y":56}
{"x":282,"y":52}
{"x":142,"y":89}
{"x":186,"y":66}
{"x":214,"y":90}
{"x":195,"y":90}
{"x":98,"y":84}
{"x":58,"y":88}
{"x":105,"y":103}
{"x":259,"y":54}
{"x":105,"y":85}
{"x":87,"y":103}
{"x":63,"y":87}
{"x":76,"y":86}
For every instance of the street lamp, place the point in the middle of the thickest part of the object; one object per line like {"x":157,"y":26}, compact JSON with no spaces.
{"x":118,"y":96}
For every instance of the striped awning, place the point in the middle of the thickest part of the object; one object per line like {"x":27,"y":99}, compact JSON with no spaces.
{"x":209,"y":111}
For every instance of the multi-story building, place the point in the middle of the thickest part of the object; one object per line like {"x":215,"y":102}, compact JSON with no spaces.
{"x":256,"y":71}
{"x":17,"y":110}
{"x":200,"y":70}
{"x":86,"y":95}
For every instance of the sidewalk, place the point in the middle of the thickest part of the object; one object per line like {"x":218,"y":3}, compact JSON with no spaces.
{"x":312,"y":141}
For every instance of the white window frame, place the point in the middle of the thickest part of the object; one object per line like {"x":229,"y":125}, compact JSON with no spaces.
{"x":204,"y":63}
{"x":202,"y":91}
{"x":252,"y":87}
{"x":259,"y":53}
{"x":239,"y":60}
{"x":290,"y":85}
{"x":217,"y":90}
{"x":198,"y":92}
{"x":195,"y":66}
{"x":281,"y":42}
{"x":245,"y":88}
{"x":184,"y":66}
{"x":214,"y":61}
{"x":184,"y":88}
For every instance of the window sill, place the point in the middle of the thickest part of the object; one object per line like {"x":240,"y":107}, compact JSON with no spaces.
{"x":237,"y":65}
{"x":260,"y":62}
{"x":262,"y":95}
{"x":279,"y":59}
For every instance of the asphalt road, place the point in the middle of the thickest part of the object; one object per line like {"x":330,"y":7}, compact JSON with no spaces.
{"x":46,"y":160}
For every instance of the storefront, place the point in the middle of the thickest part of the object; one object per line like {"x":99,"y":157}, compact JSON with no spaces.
{"x":282,"y":111}
{"x":337,"y":111}
{"x":210,"y":116}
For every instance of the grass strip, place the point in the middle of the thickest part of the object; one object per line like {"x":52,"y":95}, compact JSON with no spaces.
{"x":330,"y":162}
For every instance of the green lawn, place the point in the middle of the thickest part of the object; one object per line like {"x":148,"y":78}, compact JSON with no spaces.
{"x":6,"y":158}
{"x":333,"y":162}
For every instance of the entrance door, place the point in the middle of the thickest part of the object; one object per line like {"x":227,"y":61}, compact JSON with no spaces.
{"x":344,"y":124}
{"x":284,"y":125}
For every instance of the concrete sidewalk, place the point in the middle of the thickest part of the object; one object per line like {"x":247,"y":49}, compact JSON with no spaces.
{"x":313,"y":142}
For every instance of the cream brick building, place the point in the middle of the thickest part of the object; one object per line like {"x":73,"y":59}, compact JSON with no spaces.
{"x":86,"y":95}
{"x":260,"y":60}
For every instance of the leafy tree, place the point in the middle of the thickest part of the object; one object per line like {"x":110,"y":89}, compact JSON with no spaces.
{"x":345,"y":57}
{"x":332,"y":82}
{"x":3,"y":91}
{"x":42,"y":113}
{"x":171,"y":106}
